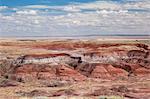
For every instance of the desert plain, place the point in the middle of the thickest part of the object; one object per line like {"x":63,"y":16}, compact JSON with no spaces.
{"x":74,"y":69}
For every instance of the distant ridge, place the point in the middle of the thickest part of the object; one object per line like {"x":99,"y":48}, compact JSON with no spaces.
{"x":93,"y":35}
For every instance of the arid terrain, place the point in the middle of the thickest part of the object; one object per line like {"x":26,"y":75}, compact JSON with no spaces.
{"x":74,"y":69}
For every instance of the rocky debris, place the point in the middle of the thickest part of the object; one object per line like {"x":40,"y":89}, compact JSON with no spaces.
{"x":8,"y":83}
{"x":13,"y":77}
{"x":133,"y":96}
{"x":55,"y":93}
{"x":138,"y":54}
{"x":136,"y":95}
{"x":102,"y":91}
{"x":54,"y":83}
{"x":122,"y":89}
{"x":63,"y":92}
{"x":33,"y":93}
{"x":118,"y":91}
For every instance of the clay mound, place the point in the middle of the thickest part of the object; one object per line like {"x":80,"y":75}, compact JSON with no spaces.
{"x":105,"y":71}
{"x":32,"y":71}
{"x":44,"y":72}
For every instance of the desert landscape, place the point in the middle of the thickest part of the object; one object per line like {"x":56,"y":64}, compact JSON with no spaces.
{"x":74,"y":69}
{"x":74,"y":49}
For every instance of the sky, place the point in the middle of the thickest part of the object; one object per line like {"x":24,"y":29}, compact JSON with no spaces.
{"x":74,"y":17}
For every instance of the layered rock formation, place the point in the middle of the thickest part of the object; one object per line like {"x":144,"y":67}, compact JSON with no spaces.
{"x":75,"y":68}
{"x":107,"y":61}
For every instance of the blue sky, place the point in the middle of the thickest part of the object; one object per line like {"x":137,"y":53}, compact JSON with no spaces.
{"x":14,"y":3}
{"x":74,"y":17}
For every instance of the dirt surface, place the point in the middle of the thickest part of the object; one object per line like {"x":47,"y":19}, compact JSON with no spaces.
{"x":74,"y":69}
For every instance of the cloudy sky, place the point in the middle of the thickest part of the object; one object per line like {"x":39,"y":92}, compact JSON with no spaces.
{"x":74,"y":17}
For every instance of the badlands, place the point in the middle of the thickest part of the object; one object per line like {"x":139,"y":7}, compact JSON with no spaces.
{"x":74,"y":69}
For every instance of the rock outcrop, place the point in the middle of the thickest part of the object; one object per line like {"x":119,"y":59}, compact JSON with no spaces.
{"x":106,"y":61}
{"x":44,"y":72}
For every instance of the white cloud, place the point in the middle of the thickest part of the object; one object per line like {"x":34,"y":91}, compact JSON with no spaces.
{"x":71,"y":8}
{"x":3,"y":7}
{"x":27,"y":12}
{"x":80,"y":19}
{"x":145,"y":4}
{"x":37,"y":6}
{"x":100,"y":5}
